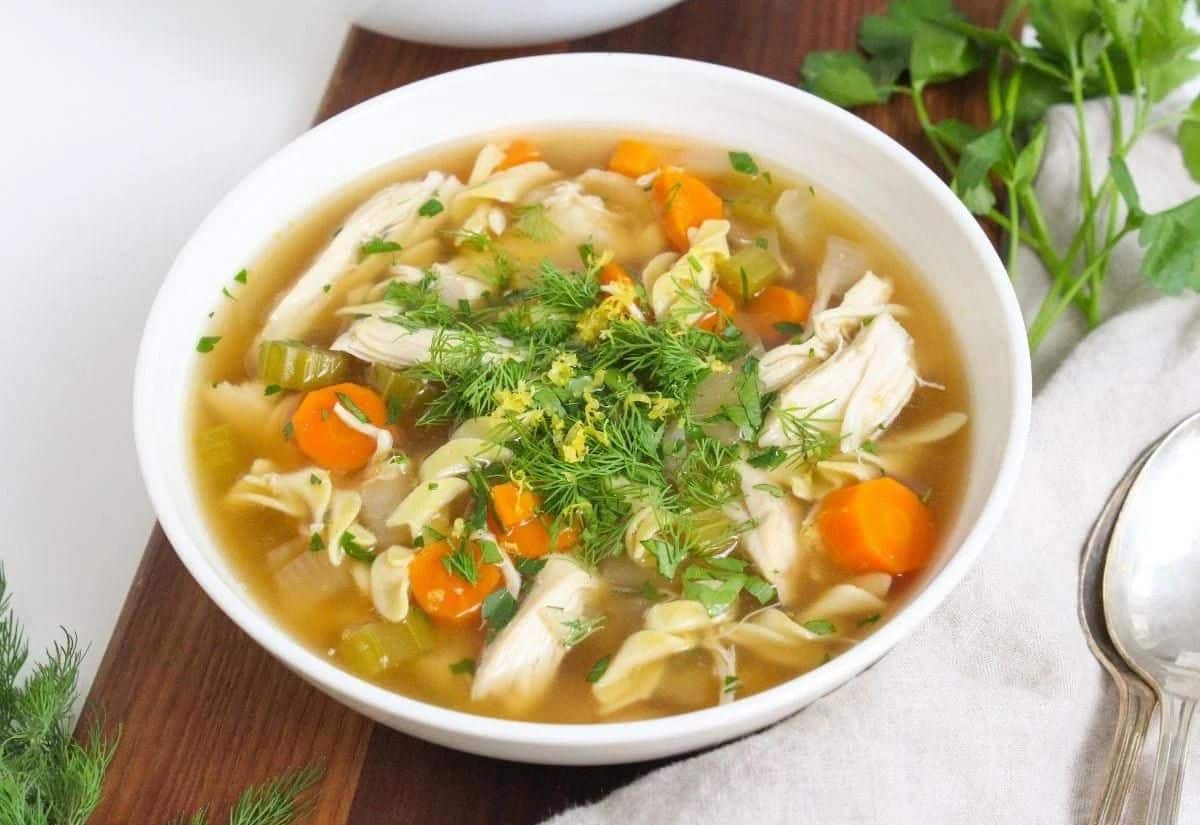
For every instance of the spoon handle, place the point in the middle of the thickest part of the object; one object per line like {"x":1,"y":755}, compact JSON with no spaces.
{"x":1134,"y":711}
{"x":1176,"y":722}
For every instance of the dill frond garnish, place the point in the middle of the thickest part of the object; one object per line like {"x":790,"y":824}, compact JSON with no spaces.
{"x":572,"y":292}
{"x":810,"y":440}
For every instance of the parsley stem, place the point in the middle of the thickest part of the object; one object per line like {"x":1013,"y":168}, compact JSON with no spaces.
{"x":918,"y":99}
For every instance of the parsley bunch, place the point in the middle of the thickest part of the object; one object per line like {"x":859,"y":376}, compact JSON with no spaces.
{"x":1086,"y":49}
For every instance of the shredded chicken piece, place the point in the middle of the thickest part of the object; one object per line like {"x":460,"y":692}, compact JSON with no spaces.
{"x":521,"y":662}
{"x":856,"y":393}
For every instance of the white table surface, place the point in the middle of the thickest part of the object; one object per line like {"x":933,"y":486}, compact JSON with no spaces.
{"x":125,"y":121}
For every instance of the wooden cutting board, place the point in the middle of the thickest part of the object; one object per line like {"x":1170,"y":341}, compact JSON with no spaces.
{"x":204,"y":711}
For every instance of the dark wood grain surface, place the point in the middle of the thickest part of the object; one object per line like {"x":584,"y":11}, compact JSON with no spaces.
{"x":203,"y":711}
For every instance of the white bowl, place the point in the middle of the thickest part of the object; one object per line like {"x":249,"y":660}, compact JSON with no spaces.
{"x":479,"y":23}
{"x":832,"y":148}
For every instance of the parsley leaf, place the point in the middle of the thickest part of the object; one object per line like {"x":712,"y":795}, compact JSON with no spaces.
{"x":599,"y":669}
{"x":463,"y":667}
{"x":1172,"y":259}
{"x":206,"y":343}
{"x":242,"y":276}
{"x":668,"y":555}
{"x":821,"y":627}
{"x":431,"y":207}
{"x":375,"y":246}
{"x":841,"y":78}
{"x":742,"y":162}
{"x":353,"y":549}
{"x":498,"y":609}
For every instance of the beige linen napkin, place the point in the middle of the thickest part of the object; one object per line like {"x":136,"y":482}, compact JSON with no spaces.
{"x":993,"y":711}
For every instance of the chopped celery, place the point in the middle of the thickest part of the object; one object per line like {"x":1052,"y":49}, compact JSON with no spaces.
{"x":755,"y":203}
{"x":397,"y":389}
{"x":296,"y":366}
{"x":747,"y":272}
{"x":371,"y":649}
{"x":217,"y":452}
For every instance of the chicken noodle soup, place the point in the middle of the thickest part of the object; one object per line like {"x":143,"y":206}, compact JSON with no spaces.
{"x":579,"y":427}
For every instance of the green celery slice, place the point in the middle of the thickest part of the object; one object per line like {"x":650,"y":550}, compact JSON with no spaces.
{"x":293,"y":365}
{"x":759,"y":266}
{"x":371,"y":649}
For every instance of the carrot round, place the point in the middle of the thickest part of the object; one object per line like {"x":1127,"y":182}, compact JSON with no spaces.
{"x":446,"y":596}
{"x":724,"y":306}
{"x":520,"y":526}
{"x":518,"y":151}
{"x":877,"y":526}
{"x":776,"y":305}
{"x":685,"y":202}
{"x":325,"y":438}
{"x":514,"y":504}
{"x":633,"y":158}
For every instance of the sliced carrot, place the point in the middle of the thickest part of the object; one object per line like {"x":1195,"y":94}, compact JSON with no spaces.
{"x":633,"y":158}
{"x":518,"y":151}
{"x":877,"y":526}
{"x":724,"y":306}
{"x":685,"y":202}
{"x":531,"y":539}
{"x":327,"y":439}
{"x":514,"y":504}
{"x":776,"y":305}
{"x":446,"y":596}
{"x":614,"y":273}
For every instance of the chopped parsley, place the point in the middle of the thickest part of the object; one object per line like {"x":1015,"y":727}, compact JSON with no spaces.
{"x":742,"y":162}
{"x":349,"y":406}
{"x":207,"y":342}
{"x":761,"y":243}
{"x":490,"y":553}
{"x":271,"y":389}
{"x":431,"y":207}
{"x":314,"y":480}
{"x":463,"y":667}
{"x":242,"y":276}
{"x":288,"y":430}
{"x":651,"y":593}
{"x":717,"y":582}
{"x":350,"y":546}
{"x":667,"y":554}
{"x":376,"y":246}
{"x":599,"y":669}
{"x":822,"y":627}
{"x":498,"y":610}
{"x":789,"y":328}
{"x":731,"y":684}
{"x":872,"y":619}
{"x":316,"y":543}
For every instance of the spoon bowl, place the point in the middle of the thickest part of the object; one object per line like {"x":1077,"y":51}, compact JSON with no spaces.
{"x":1152,"y":597}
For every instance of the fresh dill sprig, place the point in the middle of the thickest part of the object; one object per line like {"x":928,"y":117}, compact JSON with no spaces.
{"x":419,"y":305}
{"x":810,"y":441}
{"x":280,"y":801}
{"x":666,"y":359}
{"x":46,"y":774}
{"x":50,"y":777}
{"x":573,"y":292}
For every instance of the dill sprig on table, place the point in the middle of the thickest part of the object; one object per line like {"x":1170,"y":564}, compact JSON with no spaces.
{"x":49,"y":777}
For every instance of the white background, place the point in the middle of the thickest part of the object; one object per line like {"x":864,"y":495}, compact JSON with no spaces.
{"x":123,"y":123}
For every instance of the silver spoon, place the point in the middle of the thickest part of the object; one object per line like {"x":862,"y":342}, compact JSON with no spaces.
{"x":1152,"y":598}
{"x":1136,"y":699}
